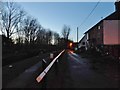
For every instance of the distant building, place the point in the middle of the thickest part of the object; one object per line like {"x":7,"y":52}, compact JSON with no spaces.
{"x":83,"y":43}
{"x":105,"y":34}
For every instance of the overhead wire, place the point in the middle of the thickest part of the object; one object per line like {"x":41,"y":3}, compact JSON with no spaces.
{"x":90,"y":13}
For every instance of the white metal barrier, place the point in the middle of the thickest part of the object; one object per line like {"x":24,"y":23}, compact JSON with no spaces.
{"x":41,"y":76}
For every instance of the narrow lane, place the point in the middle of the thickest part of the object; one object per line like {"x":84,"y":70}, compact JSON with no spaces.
{"x":71,"y":71}
{"x":76,"y":72}
{"x":83,"y":76}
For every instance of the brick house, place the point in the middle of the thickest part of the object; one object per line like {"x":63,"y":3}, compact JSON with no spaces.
{"x":106,"y":34}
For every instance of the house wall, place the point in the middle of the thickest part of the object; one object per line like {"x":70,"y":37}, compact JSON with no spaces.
{"x":111,"y":32}
{"x":108,"y":35}
{"x":119,"y":31}
{"x":96,"y":35}
{"x":83,"y":41}
{"x":113,"y":50}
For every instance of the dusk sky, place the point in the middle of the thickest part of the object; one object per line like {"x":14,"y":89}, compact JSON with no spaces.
{"x":54,"y":15}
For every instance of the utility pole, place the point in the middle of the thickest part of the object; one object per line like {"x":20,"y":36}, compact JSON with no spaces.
{"x":77,"y":38}
{"x":77,"y":34}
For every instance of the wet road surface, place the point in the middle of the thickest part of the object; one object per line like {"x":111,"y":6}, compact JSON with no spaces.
{"x":71,"y":71}
{"x":76,"y":72}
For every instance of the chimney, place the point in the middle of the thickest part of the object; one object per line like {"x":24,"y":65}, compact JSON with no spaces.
{"x":117,"y":5}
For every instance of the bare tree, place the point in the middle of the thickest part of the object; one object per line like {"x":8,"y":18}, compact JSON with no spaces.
{"x":1,"y":10}
{"x":65,"y":32}
{"x":19,"y":30}
{"x":44,"y":36}
{"x":11,"y":17}
{"x":30,"y":27}
{"x":56,"y":38}
{"x":49,"y":36}
{"x":41,"y":35}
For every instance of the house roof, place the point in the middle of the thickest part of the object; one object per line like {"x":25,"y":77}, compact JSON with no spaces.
{"x":93,"y":27}
{"x":81,"y":39}
{"x":114,"y":16}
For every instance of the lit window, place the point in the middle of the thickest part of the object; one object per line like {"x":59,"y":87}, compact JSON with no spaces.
{"x":98,"y":27}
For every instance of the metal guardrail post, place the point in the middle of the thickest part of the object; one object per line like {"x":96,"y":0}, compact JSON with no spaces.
{"x":44,"y":65}
{"x":56,"y":67}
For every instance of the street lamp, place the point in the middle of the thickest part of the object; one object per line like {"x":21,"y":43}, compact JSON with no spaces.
{"x":71,"y":44}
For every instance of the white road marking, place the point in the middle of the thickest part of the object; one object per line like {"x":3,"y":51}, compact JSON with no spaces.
{"x":44,"y":61}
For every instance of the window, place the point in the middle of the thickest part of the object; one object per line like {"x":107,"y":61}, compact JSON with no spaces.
{"x":98,"y":35}
{"x":99,"y":27}
{"x":83,"y":43}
